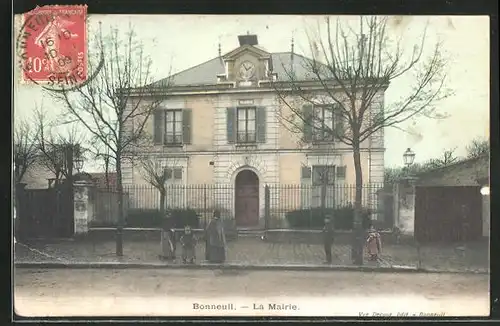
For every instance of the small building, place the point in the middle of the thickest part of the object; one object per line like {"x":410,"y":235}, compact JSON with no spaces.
{"x":446,"y":204}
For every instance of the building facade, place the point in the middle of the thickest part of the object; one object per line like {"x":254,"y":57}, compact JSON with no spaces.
{"x":221,"y":126}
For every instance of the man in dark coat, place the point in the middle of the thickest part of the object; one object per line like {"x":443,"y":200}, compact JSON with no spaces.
{"x":328,"y":234}
{"x":215,"y":240}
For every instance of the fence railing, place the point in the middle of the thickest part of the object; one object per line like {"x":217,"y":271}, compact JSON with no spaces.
{"x":274,"y":200}
{"x":283,"y":196}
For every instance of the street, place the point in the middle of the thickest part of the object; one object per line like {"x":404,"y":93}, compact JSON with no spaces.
{"x":168,"y":292}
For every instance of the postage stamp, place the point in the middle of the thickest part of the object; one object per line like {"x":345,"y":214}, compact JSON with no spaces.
{"x":52,"y":45}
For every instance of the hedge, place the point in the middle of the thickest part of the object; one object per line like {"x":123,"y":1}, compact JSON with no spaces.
{"x":313,"y":218}
{"x":152,"y":218}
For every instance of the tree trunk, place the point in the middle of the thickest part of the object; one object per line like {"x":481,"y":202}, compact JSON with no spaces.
{"x":162,"y":202}
{"x":121,"y":218}
{"x":323,"y":194}
{"x":358,"y":234}
{"x":106,"y":172}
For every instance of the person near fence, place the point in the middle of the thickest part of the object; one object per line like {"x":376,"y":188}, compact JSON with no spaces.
{"x":373,"y":244}
{"x":215,"y":240}
{"x":167,"y":239}
{"x":328,"y":234}
{"x":188,"y":243}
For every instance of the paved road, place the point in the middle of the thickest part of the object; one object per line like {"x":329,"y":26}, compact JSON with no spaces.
{"x":64,"y":292}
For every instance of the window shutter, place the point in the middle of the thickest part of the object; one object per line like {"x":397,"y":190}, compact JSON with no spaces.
{"x":341,"y":172}
{"x":305,"y":172}
{"x":186,"y":126}
{"x":339,"y":121}
{"x":261,"y":124}
{"x":168,"y":173}
{"x":307,"y":111}
{"x":178,"y":173}
{"x":231,"y":125}
{"x":159,"y":124}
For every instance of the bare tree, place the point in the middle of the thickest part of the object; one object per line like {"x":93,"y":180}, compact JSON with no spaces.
{"x":478,"y":147}
{"x":115,"y":104}
{"x":342,"y":102}
{"x":157,"y":174}
{"x":57,"y":150}
{"x":102,"y":153}
{"x":447,"y":159}
{"x":25,"y":149}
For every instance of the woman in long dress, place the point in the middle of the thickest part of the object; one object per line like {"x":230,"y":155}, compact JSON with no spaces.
{"x":167,"y":239}
{"x":215,"y":240}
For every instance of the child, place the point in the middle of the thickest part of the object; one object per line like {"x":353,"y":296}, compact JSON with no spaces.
{"x":373,"y":244}
{"x":188,"y":242}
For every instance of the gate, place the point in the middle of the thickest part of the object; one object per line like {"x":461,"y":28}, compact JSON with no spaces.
{"x":46,"y":213}
{"x":448,"y":214}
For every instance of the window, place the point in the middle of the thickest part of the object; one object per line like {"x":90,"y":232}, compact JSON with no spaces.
{"x":323,"y":123}
{"x":246,"y":128}
{"x":173,"y":174}
{"x":173,"y":127}
{"x":176,"y":190}
{"x":323,"y":174}
{"x":316,"y":180}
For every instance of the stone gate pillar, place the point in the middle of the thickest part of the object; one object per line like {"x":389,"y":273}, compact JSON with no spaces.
{"x":82,"y":206}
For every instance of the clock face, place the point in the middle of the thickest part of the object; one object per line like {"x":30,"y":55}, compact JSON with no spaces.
{"x":247,"y":70}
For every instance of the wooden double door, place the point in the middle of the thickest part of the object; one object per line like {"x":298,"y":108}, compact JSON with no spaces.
{"x":247,"y":199}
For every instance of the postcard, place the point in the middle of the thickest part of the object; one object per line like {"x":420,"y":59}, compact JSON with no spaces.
{"x":233,"y":165}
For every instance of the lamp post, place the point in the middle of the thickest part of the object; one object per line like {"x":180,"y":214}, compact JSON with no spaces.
{"x":408,"y":157}
{"x":78,"y":163}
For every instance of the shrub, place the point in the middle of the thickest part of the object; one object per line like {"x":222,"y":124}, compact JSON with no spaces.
{"x":313,"y":218}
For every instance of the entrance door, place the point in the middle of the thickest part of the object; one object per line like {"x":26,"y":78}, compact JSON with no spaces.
{"x":247,"y":199}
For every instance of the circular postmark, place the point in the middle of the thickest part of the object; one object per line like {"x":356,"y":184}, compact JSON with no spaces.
{"x":52,"y":47}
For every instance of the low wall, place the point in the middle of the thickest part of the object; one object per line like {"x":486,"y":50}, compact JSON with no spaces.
{"x":316,"y":237}
{"x":272,"y":236}
{"x":131,"y":234}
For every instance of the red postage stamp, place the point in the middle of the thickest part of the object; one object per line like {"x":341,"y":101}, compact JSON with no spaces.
{"x":52,"y":45}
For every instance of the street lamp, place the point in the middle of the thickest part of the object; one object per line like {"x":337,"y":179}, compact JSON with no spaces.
{"x":78,"y":163}
{"x":408,"y":157}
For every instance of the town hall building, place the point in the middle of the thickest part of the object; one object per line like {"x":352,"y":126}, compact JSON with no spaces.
{"x":221,"y":126}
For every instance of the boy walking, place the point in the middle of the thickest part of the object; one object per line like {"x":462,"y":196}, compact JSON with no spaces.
{"x":188,"y":242}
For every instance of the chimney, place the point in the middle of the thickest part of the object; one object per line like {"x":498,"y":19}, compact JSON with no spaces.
{"x":249,"y":39}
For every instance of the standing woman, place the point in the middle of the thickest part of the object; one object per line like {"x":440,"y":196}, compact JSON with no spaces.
{"x":167,"y":239}
{"x":215,"y":240}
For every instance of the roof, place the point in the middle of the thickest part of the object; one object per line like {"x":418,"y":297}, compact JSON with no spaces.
{"x":100,"y":180}
{"x":206,"y":73}
{"x":468,"y":161}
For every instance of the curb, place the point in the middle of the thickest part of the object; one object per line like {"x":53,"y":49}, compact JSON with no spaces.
{"x":206,"y":266}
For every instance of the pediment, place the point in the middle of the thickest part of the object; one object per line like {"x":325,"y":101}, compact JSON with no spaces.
{"x":259,"y":53}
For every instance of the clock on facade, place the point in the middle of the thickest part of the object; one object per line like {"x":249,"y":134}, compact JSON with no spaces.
{"x":247,"y":70}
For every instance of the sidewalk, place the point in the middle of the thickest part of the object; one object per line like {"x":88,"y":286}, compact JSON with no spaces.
{"x":253,"y":253}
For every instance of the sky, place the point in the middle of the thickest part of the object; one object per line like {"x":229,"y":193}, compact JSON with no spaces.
{"x":178,"y":42}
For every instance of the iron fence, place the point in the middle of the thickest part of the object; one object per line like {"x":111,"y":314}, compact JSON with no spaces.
{"x":203,"y":198}
{"x":105,"y":206}
{"x":287,"y":198}
{"x":275,"y":200}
